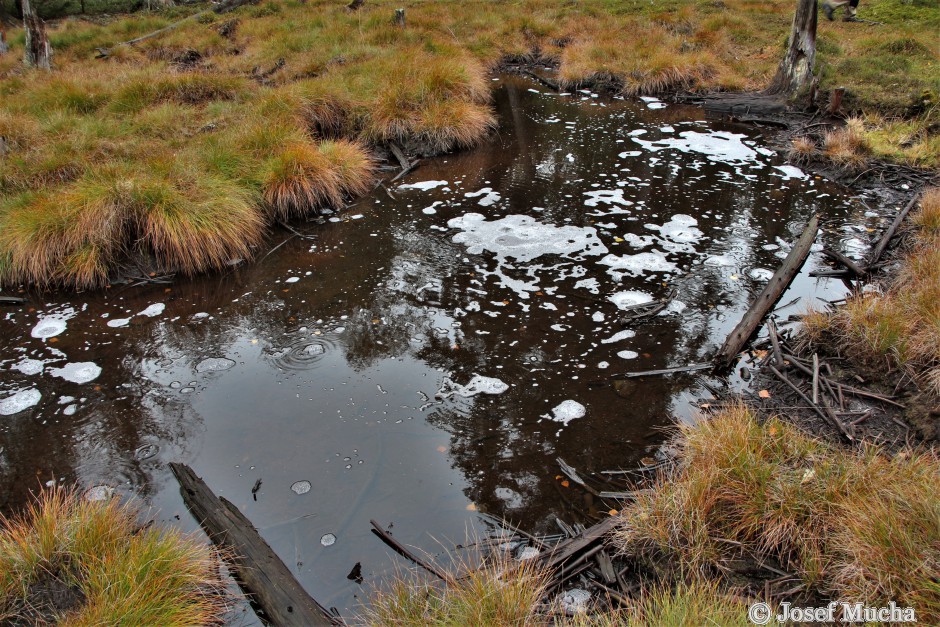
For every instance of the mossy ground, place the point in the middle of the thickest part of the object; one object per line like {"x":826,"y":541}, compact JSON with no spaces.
{"x":184,"y":147}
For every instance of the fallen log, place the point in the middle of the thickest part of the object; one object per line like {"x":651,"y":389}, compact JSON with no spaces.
{"x":768,"y":297}
{"x":402,"y":550}
{"x":570,"y":549}
{"x":838,"y":257}
{"x":11,"y":300}
{"x":260,"y":572}
{"x":886,"y":238}
{"x":663,"y":371}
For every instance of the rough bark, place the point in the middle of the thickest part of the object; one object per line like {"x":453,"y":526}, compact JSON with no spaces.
{"x":796,"y":69}
{"x":38,"y":51}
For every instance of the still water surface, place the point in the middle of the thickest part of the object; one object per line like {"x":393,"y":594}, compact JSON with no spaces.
{"x":438,"y":345}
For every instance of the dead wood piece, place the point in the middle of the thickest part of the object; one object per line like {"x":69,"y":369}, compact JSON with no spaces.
{"x":37,"y":49}
{"x":664,"y":371}
{"x":400,"y":155}
{"x":572,"y":474}
{"x":768,"y":297}
{"x":402,"y":550}
{"x":838,"y":257}
{"x":11,"y":300}
{"x":411,"y":168}
{"x":835,"y":100}
{"x":606,"y":566}
{"x":829,"y":416}
{"x":886,"y":238}
{"x":399,"y":18}
{"x":647,"y":310}
{"x":261,"y":573}
{"x":845,"y":387}
{"x":539,"y":544}
{"x":541,"y":79}
{"x":775,"y":342}
{"x":572,"y":547}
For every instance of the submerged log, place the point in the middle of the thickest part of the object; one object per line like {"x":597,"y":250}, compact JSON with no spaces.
{"x":260,"y":572}
{"x":11,"y":300}
{"x":771,"y":293}
{"x":38,"y":51}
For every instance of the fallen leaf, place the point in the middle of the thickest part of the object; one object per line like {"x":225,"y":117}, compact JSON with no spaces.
{"x":618,"y":239}
{"x":471,"y":507}
{"x":557,"y":477}
{"x":613,"y":512}
{"x":808,"y":475}
{"x":441,"y":449}
{"x":565,"y":483}
{"x":764,"y":394}
{"x":53,"y":339}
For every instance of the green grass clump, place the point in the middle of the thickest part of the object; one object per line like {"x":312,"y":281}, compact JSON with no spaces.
{"x":498,"y":592}
{"x":113,"y":572}
{"x":859,"y":526}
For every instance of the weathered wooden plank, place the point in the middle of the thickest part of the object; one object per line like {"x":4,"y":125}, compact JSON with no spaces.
{"x":260,"y":572}
{"x":768,"y":297}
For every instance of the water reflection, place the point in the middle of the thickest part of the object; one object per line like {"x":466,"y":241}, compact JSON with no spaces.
{"x":328,"y":369}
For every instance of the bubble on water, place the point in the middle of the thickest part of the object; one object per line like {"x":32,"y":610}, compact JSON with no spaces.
{"x":292,"y":279}
{"x":566,"y":411}
{"x":214,"y":364}
{"x":70,"y":410}
{"x":628,"y":355}
{"x":146,"y":451}
{"x":300,"y":487}
{"x":118,"y":322}
{"x":328,"y":539}
{"x":603,"y":365}
{"x":19,"y":401}
{"x":78,"y":372}
{"x":760,"y":274}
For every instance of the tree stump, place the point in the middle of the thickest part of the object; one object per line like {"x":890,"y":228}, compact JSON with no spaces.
{"x":796,"y":69}
{"x":400,"y":17}
{"x":38,"y":51}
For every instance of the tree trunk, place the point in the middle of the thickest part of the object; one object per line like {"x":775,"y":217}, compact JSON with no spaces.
{"x":38,"y":51}
{"x":796,"y":69}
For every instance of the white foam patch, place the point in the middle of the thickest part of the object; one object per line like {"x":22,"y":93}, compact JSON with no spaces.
{"x":423,"y":185}
{"x":214,"y":364}
{"x":153,"y":310}
{"x":721,"y":261}
{"x":29,"y":366}
{"x":791,"y":172}
{"x":432,"y":208}
{"x":760,"y":274}
{"x":679,"y":233}
{"x":566,"y":411}
{"x":607,"y":196}
{"x":481,"y":385}
{"x":78,"y":372}
{"x":635,"y":265}
{"x":598,"y":316}
{"x":523,"y":239}
{"x":52,"y":324}
{"x":70,"y":410}
{"x":591,"y":285}
{"x":718,"y":146}
{"x":629,"y":298}
{"x":292,"y":279}
{"x":487,"y":196}
{"x":20,"y":401}
{"x":118,"y":322}
{"x":618,"y":337}
{"x":628,"y":355}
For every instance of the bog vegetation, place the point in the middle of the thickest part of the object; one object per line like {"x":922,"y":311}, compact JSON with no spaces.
{"x":179,"y":151}
{"x":71,"y":561}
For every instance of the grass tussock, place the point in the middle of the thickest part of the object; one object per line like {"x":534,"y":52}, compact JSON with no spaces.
{"x":498,"y":592}
{"x":253,"y":103}
{"x":859,"y":526}
{"x":71,"y":561}
{"x":898,"y":327}
{"x":847,"y":146}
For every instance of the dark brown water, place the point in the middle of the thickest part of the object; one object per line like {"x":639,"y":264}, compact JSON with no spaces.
{"x":337,"y":370}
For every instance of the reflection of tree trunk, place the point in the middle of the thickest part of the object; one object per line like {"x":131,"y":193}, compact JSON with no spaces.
{"x":3,"y":43}
{"x":796,"y":69}
{"x":38,"y":50}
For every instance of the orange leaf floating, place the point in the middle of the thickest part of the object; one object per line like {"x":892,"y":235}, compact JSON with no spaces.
{"x":764,"y":394}
{"x":441,"y":449}
{"x":565,"y":483}
{"x":613,"y":512}
{"x":472,"y":507}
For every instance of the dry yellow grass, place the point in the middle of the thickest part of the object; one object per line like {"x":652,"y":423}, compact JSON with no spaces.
{"x":856,"y":525}
{"x":115,"y":572}
{"x":900,"y":326}
{"x":230,"y":98}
